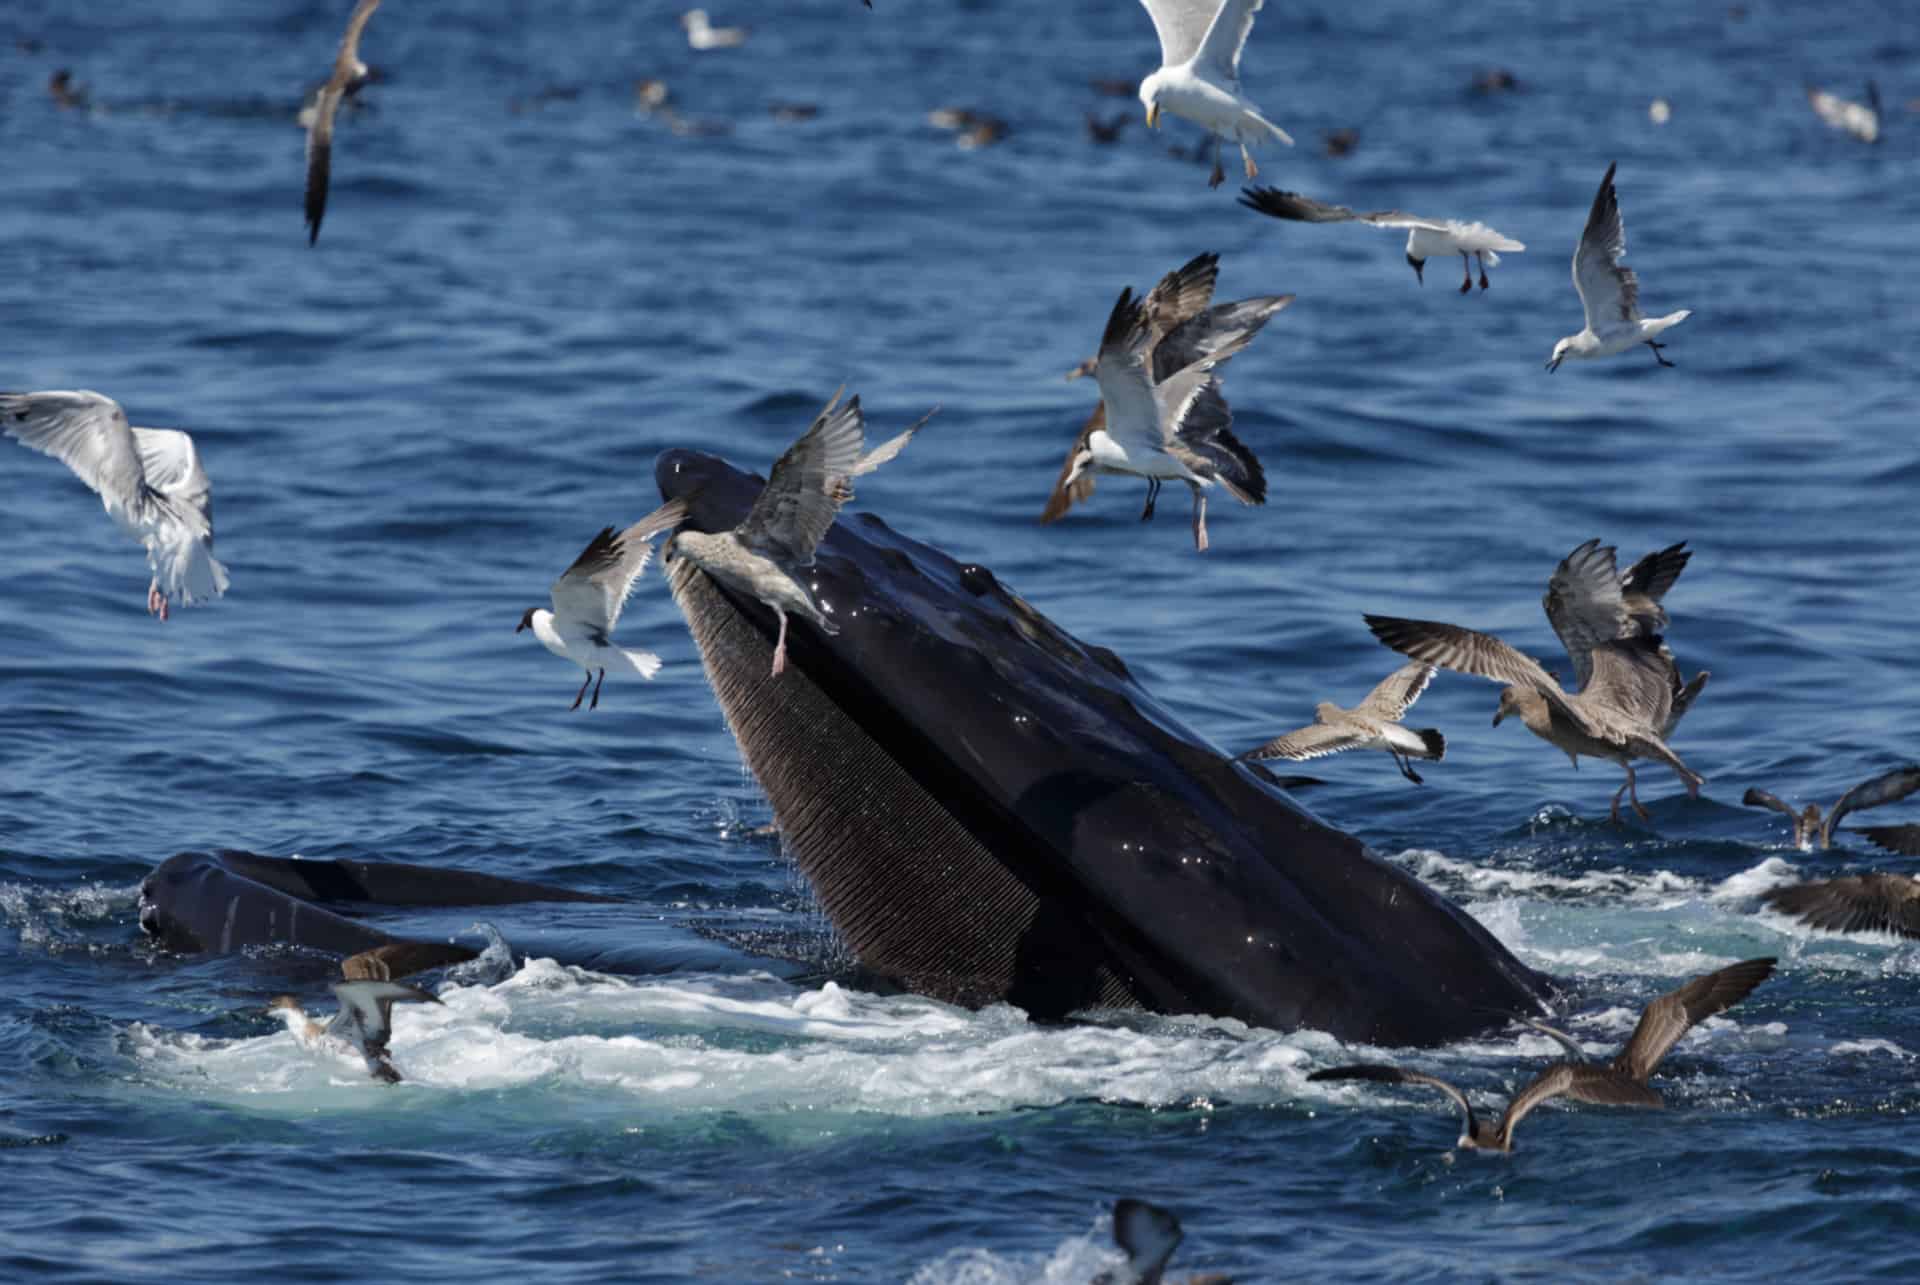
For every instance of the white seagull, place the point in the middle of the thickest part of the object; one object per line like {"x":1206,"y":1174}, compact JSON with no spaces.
{"x":1609,"y":291}
{"x":588,"y":597}
{"x":349,"y":73}
{"x":1861,"y":120}
{"x":1199,"y":74}
{"x":702,"y":34}
{"x":1162,"y":416}
{"x":1426,"y":238}
{"x":149,"y":480}
{"x":809,"y":483}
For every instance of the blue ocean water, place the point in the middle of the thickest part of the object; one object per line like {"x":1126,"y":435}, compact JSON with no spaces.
{"x":523,"y":293}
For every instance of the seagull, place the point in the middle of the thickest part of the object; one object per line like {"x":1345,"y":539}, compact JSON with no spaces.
{"x":365,"y":1019}
{"x":1861,"y":120}
{"x":1161,"y":414}
{"x":803,"y":494}
{"x":1622,"y":1082}
{"x":1373,"y":724}
{"x":1590,"y":601}
{"x":1148,"y":1235}
{"x":149,"y":480}
{"x":588,"y":597}
{"x":1181,"y":295}
{"x":702,"y":34}
{"x":1426,"y":238}
{"x":1609,"y":291}
{"x":1888,"y":787}
{"x":1618,"y":715}
{"x":348,"y":74}
{"x":1199,"y":74}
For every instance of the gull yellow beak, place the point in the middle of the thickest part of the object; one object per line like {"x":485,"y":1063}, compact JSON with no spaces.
{"x":1153,"y":115}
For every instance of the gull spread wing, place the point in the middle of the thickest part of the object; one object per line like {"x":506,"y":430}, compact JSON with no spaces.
{"x":1608,"y":290}
{"x":1756,"y":797}
{"x":1599,"y":1085}
{"x":1064,"y":496}
{"x":400,"y":958}
{"x":1904,"y":839}
{"x":1226,"y":37}
{"x":1316,"y":740}
{"x":1185,"y":292}
{"x":880,"y":454}
{"x":1584,"y":606}
{"x":1181,"y":26}
{"x":180,"y":548}
{"x":1646,"y":582}
{"x":1633,"y":677}
{"x":89,"y":434}
{"x":808,"y":485}
{"x":1888,"y":787}
{"x":1678,"y":1011}
{"x":1558,"y":1036}
{"x":1396,"y":694}
{"x":346,"y":66}
{"x":592,"y":592}
{"x":1465,"y":651}
{"x":1148,"y":1235}
{"x":1202,"y":437}
{"x":1132,"y":406}
{"x":1214,"y":335}
{"x":1858,"y":903}
{"x":1398,"y":1075}
{"x":1304,"y":209}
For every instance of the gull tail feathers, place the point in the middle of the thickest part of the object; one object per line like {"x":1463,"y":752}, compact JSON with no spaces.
{"x":1436,"y":744}
{"x":645,"y":663}
{"x":1656,"y":325}
{"x":1270,"y":127}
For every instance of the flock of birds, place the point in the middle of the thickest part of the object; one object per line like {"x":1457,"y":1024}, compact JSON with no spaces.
{"x":1161,"y":416}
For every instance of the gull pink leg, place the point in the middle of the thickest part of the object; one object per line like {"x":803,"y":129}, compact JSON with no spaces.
{"x":780,"y":647}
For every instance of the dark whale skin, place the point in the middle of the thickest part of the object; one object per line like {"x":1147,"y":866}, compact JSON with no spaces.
{"x":991,"y":810}
{"x":229,"y":900}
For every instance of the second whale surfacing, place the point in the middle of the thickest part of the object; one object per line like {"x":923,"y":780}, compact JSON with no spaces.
{"x":990,"y":810}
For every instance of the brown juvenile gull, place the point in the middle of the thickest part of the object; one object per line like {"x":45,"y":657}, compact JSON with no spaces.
{"x":588,"y":598}
{"x":1621,"y":1082}
{"x":1888,"y":787}
{"x":1618,"y":715}
{"x":149,"y":480}
{"x":365,"y":1019}
{"x":1373,"y":724}
{"x":1589,"y":601}
{"x":1426,"y":238}
{"x":1609,"y":291}
{"x":1148,"y":1235}
{"x":1180,"y":296}
{"x":348,"y":73}
{"x":808,"y":485}
{"x":1888,"y":903}
{"x":1161,"y":413}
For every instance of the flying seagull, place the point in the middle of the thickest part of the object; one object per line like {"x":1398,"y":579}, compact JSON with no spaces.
{"x":365,"y":1019}
{"x":1161,"y":414}
{"x":1609,"y":290}
{"x":1622,"y":1082}
{"x":1147,"y":1235}
{"x":803,"y":494}
{"x":348,"y":73}
{"x":588,"y":597}
{"x":1426,"y":238}
{"x":149,"y":480}
{"x":703,"y":35}
{"x":1888,"y":903}
{"x":1888,"y":787}
{"x":1199,"y":75}
{"x":1590,"y":601}
{"x":1618,"y":715}
{"x":1373,"y":724}
{"x":1861,"y":120}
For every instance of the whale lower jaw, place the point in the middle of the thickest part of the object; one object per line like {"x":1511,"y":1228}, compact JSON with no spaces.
{"x":915,"y":892}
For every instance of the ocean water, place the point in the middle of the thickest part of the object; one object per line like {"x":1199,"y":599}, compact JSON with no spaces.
{"x":525,"y":290}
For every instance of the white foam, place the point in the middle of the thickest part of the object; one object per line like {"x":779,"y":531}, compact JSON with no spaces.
{"x":1073,"y":1262}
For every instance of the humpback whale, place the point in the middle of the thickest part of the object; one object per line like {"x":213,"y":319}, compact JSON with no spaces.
{"x":229,"y":900}
{"x":989,"y":809}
